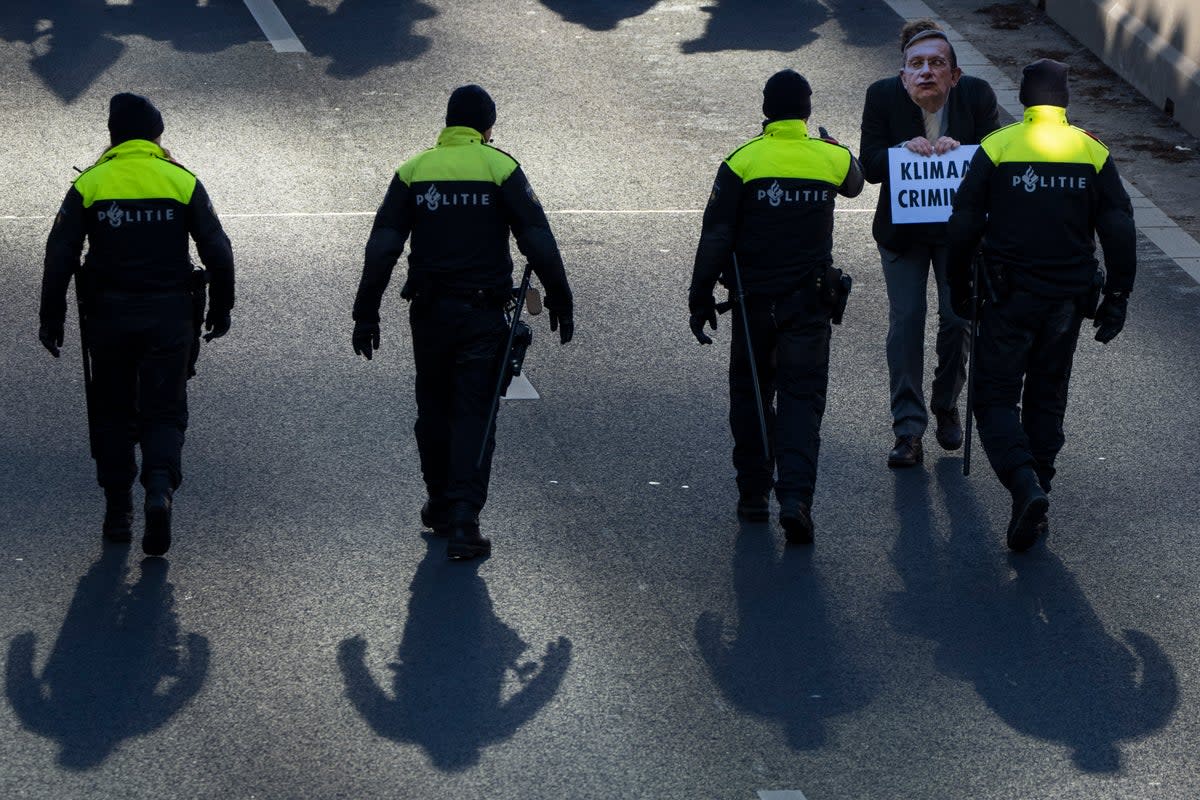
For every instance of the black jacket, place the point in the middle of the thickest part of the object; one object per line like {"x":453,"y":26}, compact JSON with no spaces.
{"x":136,"y":208}
{"x":890,"y":117}
{"x":1039,"y":192}
{"x":772,"y":205}
{"x":459,"y":201}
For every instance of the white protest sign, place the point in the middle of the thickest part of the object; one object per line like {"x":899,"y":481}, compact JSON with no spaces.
{"x":923,"y":187}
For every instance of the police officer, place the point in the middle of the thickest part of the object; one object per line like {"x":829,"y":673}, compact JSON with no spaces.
{"x":458,"y":200}
{"x":771,"y":209}
{"x":1038,"y":192}
{"x":136,"y":207}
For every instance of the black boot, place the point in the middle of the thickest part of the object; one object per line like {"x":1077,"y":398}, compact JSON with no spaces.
{"x":118,"y":515}
{"x":157,"y":538}
{"x":949,"y":433}
{"x":465,"y":539}
{"x":796,"y":519}
{"x":435,"y":515}
{"x":1029,"y":506}
{"x":753,"y":507}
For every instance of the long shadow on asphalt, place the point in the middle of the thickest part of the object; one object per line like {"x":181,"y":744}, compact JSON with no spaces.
{"x":599,"y":16}
{"x":119,"y":669}
{"x":359,"y":35}
{"x":786,"y":25}
{"x":452,"y":668}
{"x":1021,"y":630}
{"x":783,"y":662}
{"x":71,"y":43}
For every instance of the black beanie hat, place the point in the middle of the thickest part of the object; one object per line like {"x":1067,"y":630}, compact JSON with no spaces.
{"x":1044,"y":83}
{"x":131,"y":116}
{"x":787,"y":96}
{"x":472,"y":107}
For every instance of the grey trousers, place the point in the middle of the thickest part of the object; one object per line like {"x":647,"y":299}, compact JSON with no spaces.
{"x":907,"y":277}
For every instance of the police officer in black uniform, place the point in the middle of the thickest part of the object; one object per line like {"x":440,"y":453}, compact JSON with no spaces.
{"x":771,"y":209}
{"x":458,"y":200}
{"x":138,"y":295}
{"x":1038,"y":192}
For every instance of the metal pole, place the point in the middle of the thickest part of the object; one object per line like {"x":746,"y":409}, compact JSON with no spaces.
{"x":512,"y":332}
{"x":740,"y":296}
{"x":967,"y":429}
{"x":86,"y":357}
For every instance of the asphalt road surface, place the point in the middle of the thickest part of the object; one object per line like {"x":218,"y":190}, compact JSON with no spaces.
{"x":627,"y":638}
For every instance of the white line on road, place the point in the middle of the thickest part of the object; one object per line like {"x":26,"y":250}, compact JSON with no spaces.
{"x":317,"y":214}
{"x":785,"y":794}
{"x":275,"y":27}
{"x":565,"y":211}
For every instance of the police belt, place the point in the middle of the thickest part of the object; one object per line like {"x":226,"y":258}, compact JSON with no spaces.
{"x":813,"y":281}
{"x":479,"y":298}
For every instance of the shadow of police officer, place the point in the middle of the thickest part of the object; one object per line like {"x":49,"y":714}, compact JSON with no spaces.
{"x":455,"y":662}
{"x":784,"y":662}
{"x":359,"y":36}
{"x":1022,"y":632}
{"x":120,"y":667}
{"x":599,"y":16}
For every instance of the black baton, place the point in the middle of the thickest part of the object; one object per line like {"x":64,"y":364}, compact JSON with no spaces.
{"x":512,"y":332}
{"x":976,"y":269}
{"x":86,"y":357}
{"x":740,"y":296}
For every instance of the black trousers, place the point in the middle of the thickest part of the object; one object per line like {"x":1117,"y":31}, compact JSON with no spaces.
{"x":140,"y":346}
{"x":1022,"y":370}
{"x":456,"y":347}
{"x":791,"y":350}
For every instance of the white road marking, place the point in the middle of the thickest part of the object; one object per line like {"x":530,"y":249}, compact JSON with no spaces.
{"x":521,"y":389}
{"x":318,"y":214}
{"x":628,"y":211}
{"x":275,"y":27}
{"x":785,"y":794}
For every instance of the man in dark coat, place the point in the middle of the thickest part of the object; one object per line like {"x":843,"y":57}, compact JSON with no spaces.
{"x":930,"y":108}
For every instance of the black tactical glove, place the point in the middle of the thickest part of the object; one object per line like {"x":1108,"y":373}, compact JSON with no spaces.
{"x":217,"y":325}
{"x":562,"y":318}
{"x":366,"y":338}
{"x":1110,"y":316}
{"x":703,"y":309}
{"x":51,"y":334}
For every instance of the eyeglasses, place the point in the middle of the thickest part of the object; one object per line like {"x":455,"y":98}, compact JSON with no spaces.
{"x":918,"y":64}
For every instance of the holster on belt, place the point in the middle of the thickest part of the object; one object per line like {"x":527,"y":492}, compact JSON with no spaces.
{"x":834,"y":287}
{"x":997,"y":282}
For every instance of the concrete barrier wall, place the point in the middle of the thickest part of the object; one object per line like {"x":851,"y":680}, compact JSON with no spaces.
{"x":1153,"y":44}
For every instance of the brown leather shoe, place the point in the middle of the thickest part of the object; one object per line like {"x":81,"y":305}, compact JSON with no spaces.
{"x":907,"y":452}
{"x":949,"y":429}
